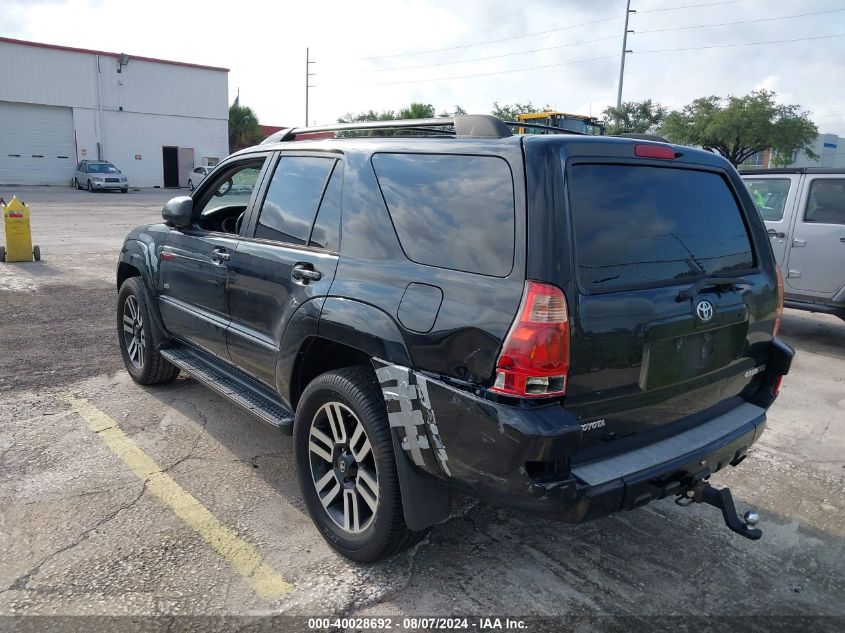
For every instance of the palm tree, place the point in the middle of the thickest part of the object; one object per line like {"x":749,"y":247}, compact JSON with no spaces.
{"x":243,"y":127}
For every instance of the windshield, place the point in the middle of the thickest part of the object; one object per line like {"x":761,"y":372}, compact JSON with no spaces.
{"x":102,"y":168}
{"x":769,"y":195}
{"x":651,"y":226}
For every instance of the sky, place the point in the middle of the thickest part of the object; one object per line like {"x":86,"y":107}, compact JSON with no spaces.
{"x":375,"y":54}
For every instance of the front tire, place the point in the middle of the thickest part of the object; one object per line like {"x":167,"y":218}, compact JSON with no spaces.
{"x":346,"y":467}
{"x":190,"y":184}
{"x":138,"y":345}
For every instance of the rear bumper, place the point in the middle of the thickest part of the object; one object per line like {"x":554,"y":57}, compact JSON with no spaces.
{"x":520,"y":457}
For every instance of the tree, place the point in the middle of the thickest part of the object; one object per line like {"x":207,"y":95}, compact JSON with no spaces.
{"x":369,"y":115}
{"x":739,"y":127}
{"x":638,"y":117}
{"x":243,"y":127}
{"x":417,"y":111}
{"x":509,"y":112}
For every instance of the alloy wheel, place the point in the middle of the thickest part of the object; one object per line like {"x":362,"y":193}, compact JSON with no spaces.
{"x":343,"y":467}
{"x":134,"y":336}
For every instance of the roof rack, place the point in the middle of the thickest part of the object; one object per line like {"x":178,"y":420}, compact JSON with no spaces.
{"x":460,"y":126}
{"x":540,"y":126}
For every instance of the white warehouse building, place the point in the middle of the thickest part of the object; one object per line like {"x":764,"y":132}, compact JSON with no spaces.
{"x":154,"y":119}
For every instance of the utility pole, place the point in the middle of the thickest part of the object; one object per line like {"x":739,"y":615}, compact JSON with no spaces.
{"x":308,"y":75}
{"x":625,"y":51}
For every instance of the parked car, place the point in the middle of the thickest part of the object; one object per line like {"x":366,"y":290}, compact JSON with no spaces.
{"x":804,"y":212}
{"x":197,"y":176}
{"x":99,"y":175}
{"x":564,"y":324}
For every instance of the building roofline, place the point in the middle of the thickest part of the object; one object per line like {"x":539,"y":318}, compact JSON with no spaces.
{"x":91,"y":51}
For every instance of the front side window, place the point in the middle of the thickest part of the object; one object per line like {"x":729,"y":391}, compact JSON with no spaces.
{"x":826,"y":204}
{"x":292,"y":198}
{"x":769,"y":195}
{"x":638,"y":226}
{"x":232,"y":190}
{"x":451,"y":211}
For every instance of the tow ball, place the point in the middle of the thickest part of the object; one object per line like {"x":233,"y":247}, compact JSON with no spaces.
{"x":703,"y":492}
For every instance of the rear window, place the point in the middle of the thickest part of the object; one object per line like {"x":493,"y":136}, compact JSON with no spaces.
{"x":650,"y":226}
{"x":451,"y":211}
{"x":769,"y":195}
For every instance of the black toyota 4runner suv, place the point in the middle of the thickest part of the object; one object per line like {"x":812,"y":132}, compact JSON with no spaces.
{"x":562,"y":324}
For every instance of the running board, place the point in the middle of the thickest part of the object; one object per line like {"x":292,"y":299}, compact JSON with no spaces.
{"x":233,"y":385}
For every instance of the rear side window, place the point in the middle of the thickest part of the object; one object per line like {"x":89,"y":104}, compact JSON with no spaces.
{"x":651,"y":226}
{"x":826,"y":204}
{"x":769,"y":194}
{"x":451,"y":211}
{"x":326,"y":231}
{"x":292,"y":198}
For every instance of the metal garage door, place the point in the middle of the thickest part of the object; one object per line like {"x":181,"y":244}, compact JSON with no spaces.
{"x":36,"y":144}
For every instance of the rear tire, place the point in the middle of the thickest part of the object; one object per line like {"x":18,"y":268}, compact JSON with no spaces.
{"x":36,"y":253}
{"x":138,"y":345}
{"x":2,"y":253}
{"x":90,"y":187}
{"x":190,"y":184}
{"x":77,"y":185}
{"x":353,"y":397}
{"x":124,"y":191}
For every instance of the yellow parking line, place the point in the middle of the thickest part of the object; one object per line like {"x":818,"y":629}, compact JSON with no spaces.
{"x":242,"y":556}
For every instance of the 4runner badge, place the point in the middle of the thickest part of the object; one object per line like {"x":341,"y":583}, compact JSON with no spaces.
{"x":592,"y":426}
{"x":704,"y":310}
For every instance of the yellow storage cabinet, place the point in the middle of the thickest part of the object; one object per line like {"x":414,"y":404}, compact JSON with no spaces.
{"x":19,"y":246}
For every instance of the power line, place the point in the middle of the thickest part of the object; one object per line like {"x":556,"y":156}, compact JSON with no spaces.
{"x":498,"y":72}
{"x":704,"y":26}
{"x":478,"y":59}
{"x":697,"y":48}
{"x":691,"y":6}
{"x":590,"y":59}
{"x":600,"y":39}
{"x":504,"y":39}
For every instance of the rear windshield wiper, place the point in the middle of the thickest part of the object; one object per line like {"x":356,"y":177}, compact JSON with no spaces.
{"x":706,"y":282}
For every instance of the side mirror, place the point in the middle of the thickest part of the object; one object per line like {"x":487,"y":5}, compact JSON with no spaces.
{"x":178,"y":211}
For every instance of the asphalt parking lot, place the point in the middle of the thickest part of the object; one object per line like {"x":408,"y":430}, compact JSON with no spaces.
{"x":81,"y":532}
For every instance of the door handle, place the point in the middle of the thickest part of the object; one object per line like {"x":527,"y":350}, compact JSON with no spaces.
{"x":777,"y":234}
{"x":305,"y":273}
{"x":798,"y":242}
{"x":220,"y":256}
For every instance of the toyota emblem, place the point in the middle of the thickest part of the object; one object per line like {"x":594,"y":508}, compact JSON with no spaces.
{"x":704,"y":310}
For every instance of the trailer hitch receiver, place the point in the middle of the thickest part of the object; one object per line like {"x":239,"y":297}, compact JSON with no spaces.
{"x":703,"y":492}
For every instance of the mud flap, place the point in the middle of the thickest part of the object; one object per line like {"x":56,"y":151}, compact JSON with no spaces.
{"x":425,"y":501}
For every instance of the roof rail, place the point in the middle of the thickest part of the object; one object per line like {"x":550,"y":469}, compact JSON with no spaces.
{"x":641,"y":137}
{"x":462,"y":126}
{"x":540,"y":126}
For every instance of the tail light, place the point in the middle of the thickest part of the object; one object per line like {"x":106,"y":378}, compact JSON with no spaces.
{"x":779,"y":309}
{"x":535,"y":356}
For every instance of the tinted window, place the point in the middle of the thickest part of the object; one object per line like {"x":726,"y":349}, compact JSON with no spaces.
{"x":651,"y":225}
{"x":769,"y":194}
{"x":292,"y":198}
{"x":826,"y":204}
{"x":451,"y":211}
{"x":326,"y":231}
